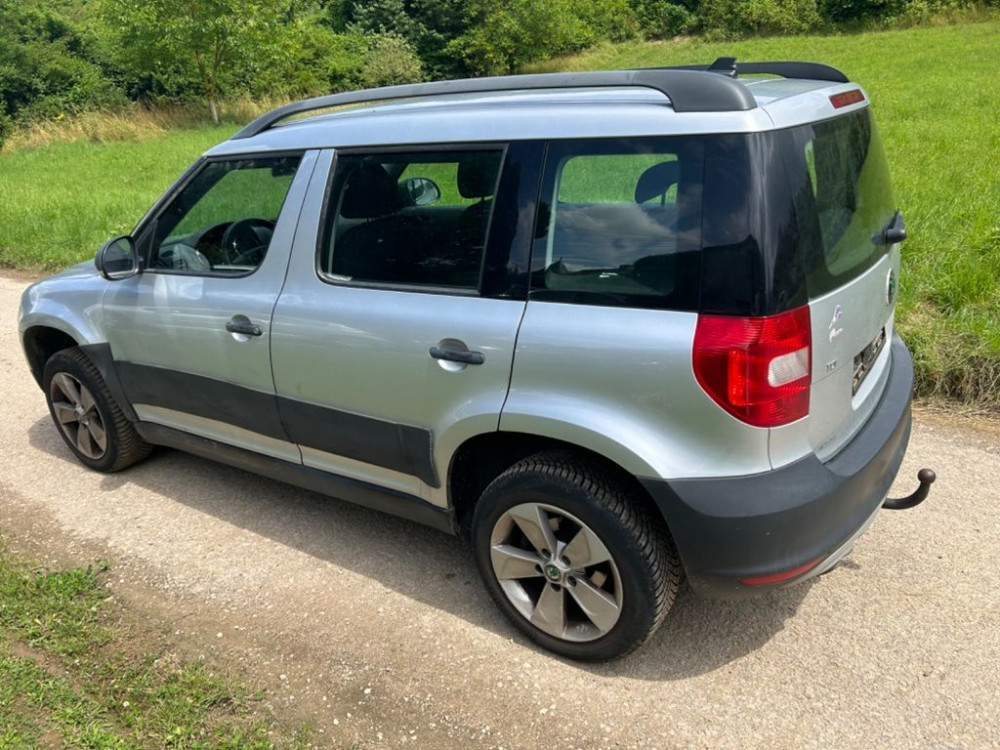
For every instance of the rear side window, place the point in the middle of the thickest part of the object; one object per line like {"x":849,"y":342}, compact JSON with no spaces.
{"x":620,"y":223}
{"x":410,"y":219}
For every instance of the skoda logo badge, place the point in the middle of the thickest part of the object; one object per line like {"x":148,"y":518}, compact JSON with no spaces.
{"x":890,"y":287}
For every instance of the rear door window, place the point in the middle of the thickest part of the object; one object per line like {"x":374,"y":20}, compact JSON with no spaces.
{"x":620,"y":223}
{"x":411,"y":219}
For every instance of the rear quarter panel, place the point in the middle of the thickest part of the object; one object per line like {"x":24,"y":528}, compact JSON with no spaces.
{"x":620,"y":382}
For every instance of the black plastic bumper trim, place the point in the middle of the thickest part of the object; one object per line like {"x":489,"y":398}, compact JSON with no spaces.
{"x":740,"y":527}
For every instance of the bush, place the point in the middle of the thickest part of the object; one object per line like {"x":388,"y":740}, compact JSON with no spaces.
{"x":662,"y":19}
{"x":845,"y":11}
{"x":611,"y":20}
{"x":6,"y":124}
{"x":390,"y":60}
{"x":744,"y":17}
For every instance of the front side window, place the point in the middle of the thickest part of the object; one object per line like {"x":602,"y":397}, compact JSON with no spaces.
{"x":622,"y":223}
{"x":221,"y":222}
{"x":412,"y":219}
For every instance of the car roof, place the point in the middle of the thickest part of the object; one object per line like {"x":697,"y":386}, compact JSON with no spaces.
{"x":619,"y":110}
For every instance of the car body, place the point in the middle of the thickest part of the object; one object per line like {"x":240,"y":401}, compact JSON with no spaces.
{"x":606,"y":326}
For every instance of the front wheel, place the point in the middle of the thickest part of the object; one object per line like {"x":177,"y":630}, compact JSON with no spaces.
{"x":572,"y":559}
{"x":88,"y":418}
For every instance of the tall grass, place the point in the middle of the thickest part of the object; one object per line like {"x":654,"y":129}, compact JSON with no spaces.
{"x":936,"y":95}
{"x":136,"y":123}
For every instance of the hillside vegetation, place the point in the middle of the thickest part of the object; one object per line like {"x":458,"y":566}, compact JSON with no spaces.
{"x":59,"y":58}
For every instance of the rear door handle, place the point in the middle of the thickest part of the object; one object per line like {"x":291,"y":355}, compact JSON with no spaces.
{"x":243,"y":326}
{"x":455,"y":355}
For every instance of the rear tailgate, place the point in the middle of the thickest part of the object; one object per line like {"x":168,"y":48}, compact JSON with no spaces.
{"x":851,"y":332}
{"x":853,"y":276}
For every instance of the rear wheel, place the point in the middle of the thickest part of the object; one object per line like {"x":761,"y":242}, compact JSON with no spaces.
{"x":88,"y":418}
{"x":574,"y":561}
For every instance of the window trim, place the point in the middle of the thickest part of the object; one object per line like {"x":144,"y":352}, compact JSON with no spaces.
{"x":145,"y":230}
{"x":326,"y":226}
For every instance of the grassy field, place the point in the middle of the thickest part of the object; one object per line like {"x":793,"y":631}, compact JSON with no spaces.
{"x":935,"y":94}
{"x":75,"y":671}
{"x":59,"y":202}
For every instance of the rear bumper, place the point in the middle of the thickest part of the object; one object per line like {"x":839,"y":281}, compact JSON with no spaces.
{"x":807,"y":512}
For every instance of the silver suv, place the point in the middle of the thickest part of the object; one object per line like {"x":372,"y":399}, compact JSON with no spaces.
{"x":613,"y":328}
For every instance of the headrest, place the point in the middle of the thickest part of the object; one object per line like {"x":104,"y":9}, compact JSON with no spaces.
{"x":656,"y":180}
{"x":370,"y":192}
{"x":477,"y":175}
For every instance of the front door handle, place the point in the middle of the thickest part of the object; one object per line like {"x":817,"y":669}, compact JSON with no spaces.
{"x":456,"y":355}
{"x":244,"y":326}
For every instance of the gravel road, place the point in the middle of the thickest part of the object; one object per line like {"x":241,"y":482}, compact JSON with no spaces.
{"x":379,"y":632}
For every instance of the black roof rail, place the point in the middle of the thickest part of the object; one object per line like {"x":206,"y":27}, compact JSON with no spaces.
{"x":688,"y":91}
{"x":807,"y":70}
{"x":687,"y":88}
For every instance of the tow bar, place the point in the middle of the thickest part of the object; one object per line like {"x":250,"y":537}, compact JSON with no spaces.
{"x":926,"y":478}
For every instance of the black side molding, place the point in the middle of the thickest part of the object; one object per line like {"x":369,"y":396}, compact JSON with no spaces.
{"x":399,"y":504}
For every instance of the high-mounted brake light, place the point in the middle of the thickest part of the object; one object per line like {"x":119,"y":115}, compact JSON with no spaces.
{"x":757,"y":369}
{"x":846,"y":98}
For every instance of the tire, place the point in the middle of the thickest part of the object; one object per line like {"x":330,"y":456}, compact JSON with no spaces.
{"x":613,"y":576}
{"x":87,"y":416}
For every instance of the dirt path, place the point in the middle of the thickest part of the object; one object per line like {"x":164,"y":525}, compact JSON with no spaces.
{"x":379,"y":631}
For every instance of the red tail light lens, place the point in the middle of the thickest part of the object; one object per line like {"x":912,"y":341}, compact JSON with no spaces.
{"x":757,"y":369}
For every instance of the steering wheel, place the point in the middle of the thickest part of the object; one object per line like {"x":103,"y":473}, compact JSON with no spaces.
{"x":181,"y":257}
{"x":244,"y":242}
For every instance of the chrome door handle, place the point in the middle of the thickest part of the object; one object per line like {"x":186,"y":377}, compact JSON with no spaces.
{"x":455,"y":355}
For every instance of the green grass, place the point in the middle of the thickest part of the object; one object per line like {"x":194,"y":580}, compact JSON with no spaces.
{"x":936,"y":95}
{"x":58,"y":203}
{"x":934,"y":91}
{"x":72,"y":674}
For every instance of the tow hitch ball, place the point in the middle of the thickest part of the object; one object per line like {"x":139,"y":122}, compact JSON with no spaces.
{"x":926,"y":478}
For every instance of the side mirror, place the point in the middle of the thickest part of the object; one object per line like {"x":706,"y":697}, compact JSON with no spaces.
{"x":419,"y":191}
{"x":117,"y":259}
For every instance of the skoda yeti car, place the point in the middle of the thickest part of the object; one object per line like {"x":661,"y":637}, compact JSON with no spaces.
{"x":614,"y":329}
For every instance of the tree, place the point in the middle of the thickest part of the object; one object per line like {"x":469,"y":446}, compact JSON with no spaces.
{"x":210,"y":42}
{"x":503,"y":35}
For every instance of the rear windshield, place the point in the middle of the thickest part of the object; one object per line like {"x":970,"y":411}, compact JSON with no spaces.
{"x":849,"y":197}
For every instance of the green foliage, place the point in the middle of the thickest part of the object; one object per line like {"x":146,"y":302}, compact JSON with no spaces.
{"x":506,"y":34}
{"x":215,"y":43}
{"x":390,"y":60}
{"x":841,"y":11}
{"x":609,"y":20}
{"x":662,"y":19}
{"x":309,"y":58}
{"x":48,"y":65}
{"x":759,"y":17}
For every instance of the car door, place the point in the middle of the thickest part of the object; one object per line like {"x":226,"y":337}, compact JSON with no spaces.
{"x":394,"y":336}
{"x":190,"y":334}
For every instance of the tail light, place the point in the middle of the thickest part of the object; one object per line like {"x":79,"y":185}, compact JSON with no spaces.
{"x":757,"y":369}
